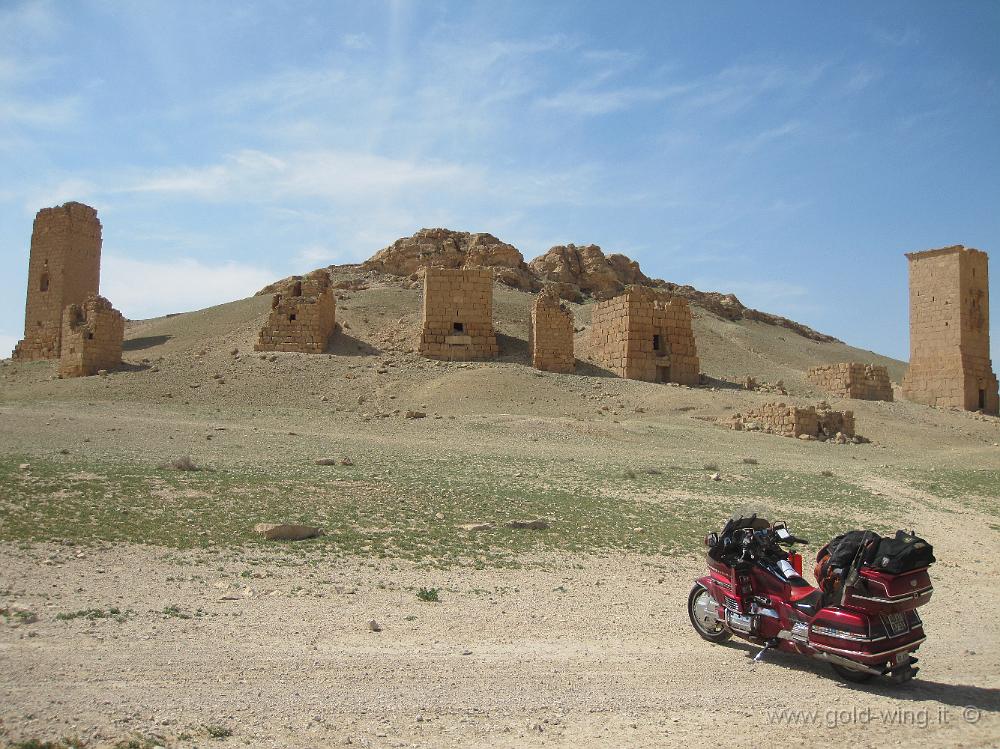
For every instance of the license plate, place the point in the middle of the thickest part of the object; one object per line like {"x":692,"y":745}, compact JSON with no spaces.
{"x":896,"y":623}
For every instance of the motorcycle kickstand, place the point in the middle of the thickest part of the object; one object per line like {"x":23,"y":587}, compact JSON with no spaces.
{"x":767,"y":646}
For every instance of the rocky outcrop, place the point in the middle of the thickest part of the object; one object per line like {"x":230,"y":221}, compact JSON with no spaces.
{"x":574,"y":272}
{"x":588,"y":270}
{"x":445,"y":248}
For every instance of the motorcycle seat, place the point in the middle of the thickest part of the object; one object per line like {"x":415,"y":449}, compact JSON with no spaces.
{"x":808,"y":603}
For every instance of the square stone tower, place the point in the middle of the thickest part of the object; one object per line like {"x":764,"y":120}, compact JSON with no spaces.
{"x":950,"y":330}
{"x":641,"y":336}
{"x":63,"y":269}
{"x":458,"y":314}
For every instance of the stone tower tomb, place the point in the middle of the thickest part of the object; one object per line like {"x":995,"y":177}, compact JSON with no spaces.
{"x":64,"y":268}
{"x":458,"y":314}
{"x":950,"y":331}
{"x":641,"y":335}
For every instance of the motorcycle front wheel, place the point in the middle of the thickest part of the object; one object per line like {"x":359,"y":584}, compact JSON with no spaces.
{"x":701,"y":610}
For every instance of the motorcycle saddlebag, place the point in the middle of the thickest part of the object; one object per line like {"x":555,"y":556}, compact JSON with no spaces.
{"x":877,"y":592}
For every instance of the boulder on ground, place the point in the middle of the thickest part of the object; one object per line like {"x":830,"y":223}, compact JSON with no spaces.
{"x":286,"y":531}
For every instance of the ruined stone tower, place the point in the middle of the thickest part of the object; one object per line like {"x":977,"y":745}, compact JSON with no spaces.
{"x":458,"y":314}
{"x":550,"y":334}
{"x":303,"y":316}
{"x":640,"y":335}
{"x":63,"y":269}
{"x":950,"y":330}
{"x":92,"y":335}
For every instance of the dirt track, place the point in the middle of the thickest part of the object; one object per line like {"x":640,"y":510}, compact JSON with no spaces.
{"x":583,"y":653}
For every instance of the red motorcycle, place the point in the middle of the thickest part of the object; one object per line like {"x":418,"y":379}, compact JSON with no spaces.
{"x":863,"y":622}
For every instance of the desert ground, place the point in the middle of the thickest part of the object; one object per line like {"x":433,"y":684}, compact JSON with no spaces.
{"x":139,"y":609}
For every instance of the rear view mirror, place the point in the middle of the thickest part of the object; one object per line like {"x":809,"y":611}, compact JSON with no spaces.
{"x":783,"y":534}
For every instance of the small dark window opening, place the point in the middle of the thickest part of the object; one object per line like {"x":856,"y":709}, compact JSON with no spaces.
{"x":458,"y":327}
{"x":656,"y":343}
{"x":90,"y":336}
{"x":982,"y":400}
{"x":297,"y":289}
{"x":43,"y":285}
{"x":39,"y":323}
{"x":291,"y":317}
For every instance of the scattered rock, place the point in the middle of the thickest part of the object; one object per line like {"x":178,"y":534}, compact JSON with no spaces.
{"x":183,"y":463}
{"x":716,"y":476}
{"x":374,"y":626}
{"x":286,"y":531}
{"x":415,"y":415}
{"x":24,"y":466}
{"x":533,"y":525}
{"x":473,"y":527}
{"x":325,"y":461}
{"x":346,"y":462}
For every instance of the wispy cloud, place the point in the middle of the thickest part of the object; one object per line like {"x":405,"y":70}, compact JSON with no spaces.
{"x":588,"y":101}
{"x":331,"y":174}
{"x":149,"y":288}
{"x":900,"y":37}
{"x":356,"y":41}
{"x":754,"y":142}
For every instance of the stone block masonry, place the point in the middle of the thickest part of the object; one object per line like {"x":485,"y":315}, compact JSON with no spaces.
{"x":458,"y":314}
{"x":92,"y":335}
{"x":63,"y":269}
{"x":853,"y":380}
{"x":550,"y":334}
{"x":303,"y":316}
{"x":641,"y":335}
{"x":950,"y":331}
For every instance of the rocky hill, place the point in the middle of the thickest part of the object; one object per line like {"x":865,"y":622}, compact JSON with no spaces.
{"x":577,"y":272}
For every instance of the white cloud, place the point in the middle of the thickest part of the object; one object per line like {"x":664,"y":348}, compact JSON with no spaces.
{"x":7,"y":343}
{"x":149,"y":288}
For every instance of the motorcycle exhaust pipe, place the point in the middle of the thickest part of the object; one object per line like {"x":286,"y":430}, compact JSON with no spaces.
{"x":848,"y":663}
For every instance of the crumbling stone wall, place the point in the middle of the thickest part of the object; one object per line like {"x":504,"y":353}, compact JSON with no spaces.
{"x":820,"y":422}
{"x":458,"y":314}
{"x":950,"y":330}
{"x":64,"y":267}
{"x":303,"y":316}
{"x":853,"y":380}
{"x":91,"y":337}
{"x":550,"y":334}
{"x":642,"y":336}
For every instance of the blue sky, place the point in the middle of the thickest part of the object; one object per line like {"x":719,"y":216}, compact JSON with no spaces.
{"x":789,"y":152}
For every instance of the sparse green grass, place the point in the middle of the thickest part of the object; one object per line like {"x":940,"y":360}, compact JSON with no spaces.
{"x":386,"y":506}
{"x":218,"y":731}
{"x":93,"y":614}
{"x":977,"y":487}
{"x":19,"y":615}
{"x":430,"y":595}
{"x":141,"y":742}
{"x":64,"y":743}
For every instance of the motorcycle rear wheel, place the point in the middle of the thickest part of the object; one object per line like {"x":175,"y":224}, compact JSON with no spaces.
{"x":700,"y":603}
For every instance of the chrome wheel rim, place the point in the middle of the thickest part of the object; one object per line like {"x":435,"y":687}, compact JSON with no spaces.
{"x":703,"y":610}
